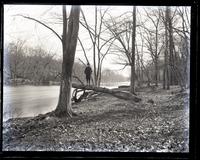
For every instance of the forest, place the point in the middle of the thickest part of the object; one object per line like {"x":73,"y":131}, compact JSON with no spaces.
{"x":148,"y":114}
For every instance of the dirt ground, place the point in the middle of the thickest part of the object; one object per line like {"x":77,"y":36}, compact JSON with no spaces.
{"x":159,"y":123}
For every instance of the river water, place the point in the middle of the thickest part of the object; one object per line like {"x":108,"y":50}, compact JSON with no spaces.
{"x":26,"y":101}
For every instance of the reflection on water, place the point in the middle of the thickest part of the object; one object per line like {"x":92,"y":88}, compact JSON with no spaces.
{"x":25,"y":101}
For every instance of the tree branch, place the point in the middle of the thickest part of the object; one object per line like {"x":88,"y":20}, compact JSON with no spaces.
{"x":83,"y":50}
{"x":33,"y":19}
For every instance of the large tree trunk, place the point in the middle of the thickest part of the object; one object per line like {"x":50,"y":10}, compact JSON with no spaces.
{"x":166,"y":76}
{"x":69,"y":41}
{"x":171,"y":56}
{"x":132,"y":88}
{"x":119,"y":94}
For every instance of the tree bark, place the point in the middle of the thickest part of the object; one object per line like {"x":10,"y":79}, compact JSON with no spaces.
{"x":171,"y":56}
{"x":119,"y":94}
{"x":156,"y":58}
{"x":166,"y":56}
{"x":132,"y":88}
{"x":69,"y":41}
{"x":156,"y":72}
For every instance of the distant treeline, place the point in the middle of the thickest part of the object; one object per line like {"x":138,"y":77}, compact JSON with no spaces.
{"x":26,"y":65}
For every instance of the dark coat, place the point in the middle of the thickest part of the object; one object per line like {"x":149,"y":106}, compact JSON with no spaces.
{"x":88,"y":71}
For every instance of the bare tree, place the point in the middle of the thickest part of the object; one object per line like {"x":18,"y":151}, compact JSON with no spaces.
{"x":166,"y":81}
{"x":153,"y":37}
{"x":183,"y":58}
{"x":176,"y":36}
{"x":125,"y":32}
{"x":132,"y":87}
{"x":69,"y":41}
{"x":172,"y":58}
{"x":100,"y":46}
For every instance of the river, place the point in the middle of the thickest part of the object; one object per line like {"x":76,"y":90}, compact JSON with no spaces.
{"x":28,"y":101}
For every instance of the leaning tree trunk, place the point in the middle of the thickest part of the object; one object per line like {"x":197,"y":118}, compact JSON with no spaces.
{"x":119,"y":94}
{"x":69,"y":41}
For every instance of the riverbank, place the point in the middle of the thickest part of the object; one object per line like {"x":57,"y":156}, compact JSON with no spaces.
{"x":160,"y":123}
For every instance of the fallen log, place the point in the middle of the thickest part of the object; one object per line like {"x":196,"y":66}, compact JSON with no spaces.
{"x":119,"y":94}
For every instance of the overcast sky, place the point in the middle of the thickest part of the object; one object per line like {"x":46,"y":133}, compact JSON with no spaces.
{"x":34,"y":34}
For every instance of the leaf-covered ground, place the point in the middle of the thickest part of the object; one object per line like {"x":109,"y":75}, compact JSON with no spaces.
{"x":160,"y":123}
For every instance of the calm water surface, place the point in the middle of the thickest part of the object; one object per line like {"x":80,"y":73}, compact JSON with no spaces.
{"x":25,"y":101}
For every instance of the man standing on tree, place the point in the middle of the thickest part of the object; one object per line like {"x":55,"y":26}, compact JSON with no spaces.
{"x":88,"y":72}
